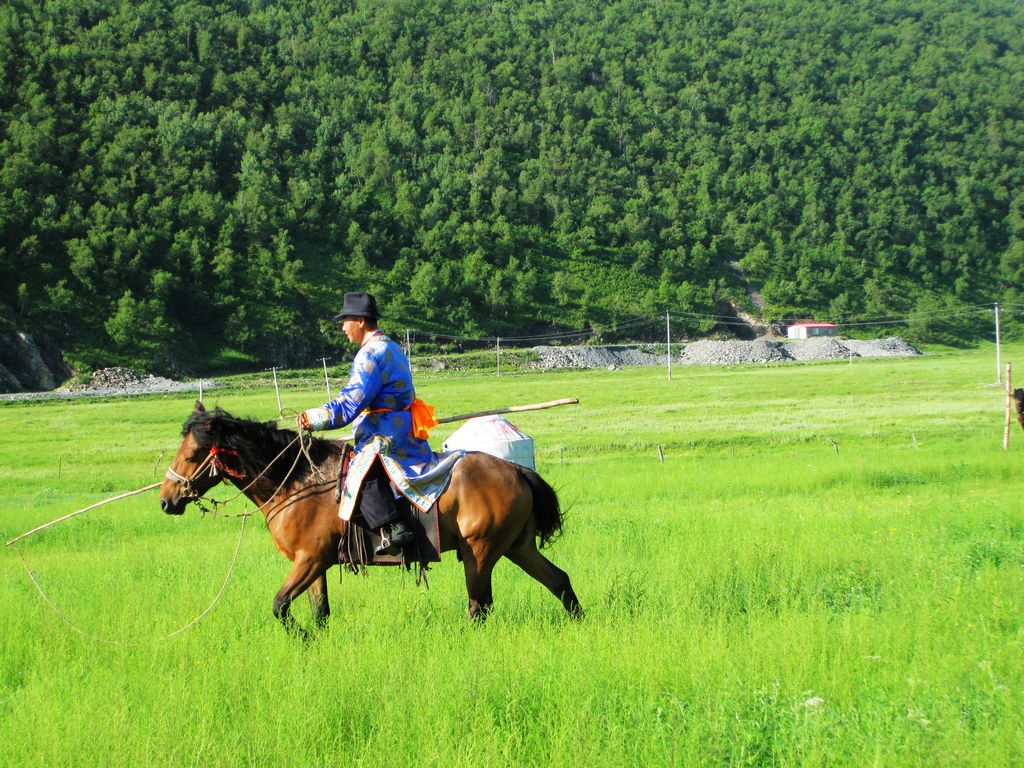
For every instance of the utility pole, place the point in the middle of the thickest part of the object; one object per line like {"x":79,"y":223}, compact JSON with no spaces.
{"x":999,"y":372}
{"x":327,"y":379}
{"x":668,"y":339}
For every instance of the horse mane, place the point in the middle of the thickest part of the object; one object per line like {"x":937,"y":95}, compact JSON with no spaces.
{"x":258,"y":443}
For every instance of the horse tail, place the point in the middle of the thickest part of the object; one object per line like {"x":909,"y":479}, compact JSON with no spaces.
{"x":547,"y":512}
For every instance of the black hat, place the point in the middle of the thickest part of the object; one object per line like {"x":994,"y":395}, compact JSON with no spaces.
{"x":358,"y":304}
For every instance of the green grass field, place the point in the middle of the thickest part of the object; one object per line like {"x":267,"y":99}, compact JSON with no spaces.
{"x":827,"y":569}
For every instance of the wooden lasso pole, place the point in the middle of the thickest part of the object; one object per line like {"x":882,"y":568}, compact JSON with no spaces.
{"x":510,"y":409}
{"x":497,"y":412}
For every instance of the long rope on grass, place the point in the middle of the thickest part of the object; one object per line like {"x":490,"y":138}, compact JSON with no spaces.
{"x":99,"y":638}
{"x":80,"y":511}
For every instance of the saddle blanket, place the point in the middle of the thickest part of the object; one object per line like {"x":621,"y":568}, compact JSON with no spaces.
{"x":422,"y":489}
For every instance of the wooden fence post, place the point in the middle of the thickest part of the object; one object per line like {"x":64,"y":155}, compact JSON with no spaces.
{"x":1009,"y":407}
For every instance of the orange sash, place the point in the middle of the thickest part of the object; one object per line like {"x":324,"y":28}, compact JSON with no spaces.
{"x":423,"y":418}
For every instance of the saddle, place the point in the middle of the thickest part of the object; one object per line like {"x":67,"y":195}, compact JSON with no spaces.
{"x":359,"y":541}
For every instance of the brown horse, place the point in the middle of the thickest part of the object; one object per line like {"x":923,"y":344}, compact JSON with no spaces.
{"x":491,"y":508}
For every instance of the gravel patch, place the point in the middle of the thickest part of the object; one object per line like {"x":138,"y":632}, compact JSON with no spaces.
{"x":819,"y":349}
{"x":770,"y":351}
{"x":109,"y":382}
{"x":594,"y":357}
{"x":733,"y":352}
{"x":890,"y":347}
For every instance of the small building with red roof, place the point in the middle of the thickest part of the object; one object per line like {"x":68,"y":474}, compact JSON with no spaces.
{"x":810,"y":330}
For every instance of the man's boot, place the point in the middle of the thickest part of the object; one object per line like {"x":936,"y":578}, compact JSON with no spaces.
{"x":393,"y":537}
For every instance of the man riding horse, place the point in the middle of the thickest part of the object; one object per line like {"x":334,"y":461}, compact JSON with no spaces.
{"x":390,"y":426}
{"x":487,"y":508}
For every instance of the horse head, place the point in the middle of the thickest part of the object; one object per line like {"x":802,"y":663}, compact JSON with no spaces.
{"x":1018,"y":396}
{"x":192,"y":473}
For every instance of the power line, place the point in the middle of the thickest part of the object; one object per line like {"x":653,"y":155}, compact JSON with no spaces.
{"x":917,"y":317}
{"x":616,"y":326}
{"x":636,"y":322}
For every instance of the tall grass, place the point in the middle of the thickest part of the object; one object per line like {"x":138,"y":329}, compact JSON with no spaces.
{"x":827,"y":569}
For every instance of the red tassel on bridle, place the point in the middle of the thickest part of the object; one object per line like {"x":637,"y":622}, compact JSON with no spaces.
{"x":217,"y":463}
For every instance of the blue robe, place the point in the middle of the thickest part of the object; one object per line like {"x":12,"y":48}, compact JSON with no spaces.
{"x":376,"y":402}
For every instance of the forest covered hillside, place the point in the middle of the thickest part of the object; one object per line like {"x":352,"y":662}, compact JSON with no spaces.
{"x":184,"y":183}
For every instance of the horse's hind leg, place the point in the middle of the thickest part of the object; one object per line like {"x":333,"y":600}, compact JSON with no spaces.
{"x":478,"y":566}
{"x":527,"y":557}
{"x":318,"y":603}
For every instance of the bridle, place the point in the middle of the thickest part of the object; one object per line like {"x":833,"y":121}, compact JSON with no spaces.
{"x":213,"y":464}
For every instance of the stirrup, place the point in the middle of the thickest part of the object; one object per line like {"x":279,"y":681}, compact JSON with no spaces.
{"x":387,"y":546}
{"x":385,"y":542}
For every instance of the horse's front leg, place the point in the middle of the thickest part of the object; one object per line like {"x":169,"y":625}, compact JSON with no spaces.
{"x":305,"y":572}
